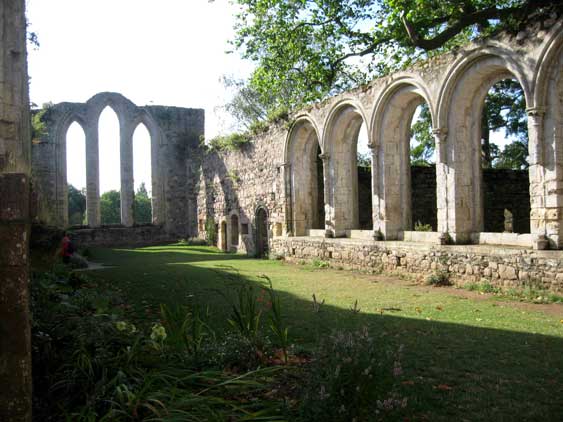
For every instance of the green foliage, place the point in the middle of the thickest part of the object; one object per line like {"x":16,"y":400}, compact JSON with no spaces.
{"x":319,"y":263}
{"x":439,"y":279}
{"x":419,"y":227}
{"x":422,"y":152}
{"x":142,"y":210}
{"x":230,"y":142}
{"x":246,"y":314}
{"x":110,"y":207}
{"x":211,"y":231}
{"x":353,"y":378}
{"x":92,"y":364}
{"x":306,"y":50}
{"x":38,"y":125}
{"x":276,"y":321}
{"x":76,"y":206}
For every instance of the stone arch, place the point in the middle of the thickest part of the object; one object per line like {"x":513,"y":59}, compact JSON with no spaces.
{"x":339,"y":143}
{"x":391,"y":172}
{"x":233,"y":231}
{"x":61,"y":182}
{"x":545,"y":126}
{"x":157,"y":178}
{"x":461,"y":101}
{"x":261,"y":217}
{"x":305,"y":178}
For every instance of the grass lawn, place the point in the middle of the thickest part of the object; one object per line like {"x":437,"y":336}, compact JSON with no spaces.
{"x":467,"y":356}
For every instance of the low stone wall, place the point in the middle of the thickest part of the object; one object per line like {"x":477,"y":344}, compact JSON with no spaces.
{"x":502,"y":266}
{"x":120,"y":236}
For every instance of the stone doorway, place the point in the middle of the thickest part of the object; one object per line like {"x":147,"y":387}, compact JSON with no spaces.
{"x":261,"y":233}
{"x":223,"y":236}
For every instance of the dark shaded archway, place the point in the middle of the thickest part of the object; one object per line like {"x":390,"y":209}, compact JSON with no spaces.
{"x":261,"y":233}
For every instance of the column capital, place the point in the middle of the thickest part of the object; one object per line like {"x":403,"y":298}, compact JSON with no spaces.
{"x":324,"y":156}
{"x":284,"y":165}
{"x":535,"y":111}
{"x":440,"y":134}
{"x":374,"y":148}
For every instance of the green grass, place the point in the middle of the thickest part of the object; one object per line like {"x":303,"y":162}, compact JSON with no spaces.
{"x":467,"y":357}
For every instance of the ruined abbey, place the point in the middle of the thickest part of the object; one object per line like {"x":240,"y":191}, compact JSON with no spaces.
{"x":297,"y":192}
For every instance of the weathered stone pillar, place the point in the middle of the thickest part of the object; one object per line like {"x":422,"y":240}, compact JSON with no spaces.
{"x":329,"y":209}
{"x":377,"y":216}
{"x":442,"y":172}
{"x":540,"y":201}
{"x":285,"y":170}
{"x":127,"y":193}
{"x":92,"y":175}
{"x":15,"y":142}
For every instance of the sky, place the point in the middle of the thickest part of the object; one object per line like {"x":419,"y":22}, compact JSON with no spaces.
{"x":166,"y":52}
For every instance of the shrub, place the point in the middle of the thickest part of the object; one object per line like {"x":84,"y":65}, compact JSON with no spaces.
{"x":352,"y":378}
{"x":419,"y":227}
{"x":439,"y":278}
{"x":318,"y":263}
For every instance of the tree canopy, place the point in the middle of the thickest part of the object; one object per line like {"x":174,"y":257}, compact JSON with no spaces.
{"x":307,"y":49}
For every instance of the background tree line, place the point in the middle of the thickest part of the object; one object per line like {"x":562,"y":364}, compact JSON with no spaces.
{"x":110,"y":206}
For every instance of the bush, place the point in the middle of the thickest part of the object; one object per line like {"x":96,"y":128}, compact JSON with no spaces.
{"x":352,"y":378}
{"x":419,"y":227}
{"x":439,"y":279}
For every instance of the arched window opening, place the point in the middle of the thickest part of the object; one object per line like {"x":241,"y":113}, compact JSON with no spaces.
{"x":504,"y":159}
{"x":363,"y":163}
{"x":234,"y":230}
{"x":307,"y":180}
{"x":142,"y":175}
{"x":76,"y":174}
{"x":110,"y":167}
{"x":422,"y":171}
{"x":350,"y":198}
{"x":405,"y":180}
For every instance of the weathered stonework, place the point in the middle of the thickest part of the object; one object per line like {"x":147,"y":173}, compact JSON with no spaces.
{"x":301,"y":178}
{"x":15,"y":331}
{"x":502,"y":266}
{"x":175,"y":134}
{"x":281,"y":170}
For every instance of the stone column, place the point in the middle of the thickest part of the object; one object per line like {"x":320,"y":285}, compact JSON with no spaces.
{"x":92,"y":175}
{"x":329,"y":215}
{"x":127,"y":194}
{"x":285,"y":170}
{"x":376,"y":215}
{"x":540,"y":200}
{"x":15,"y":142}
{"x":442,"y":173}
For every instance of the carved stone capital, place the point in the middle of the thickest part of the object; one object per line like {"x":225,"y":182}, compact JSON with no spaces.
{"x":324,"y":157}
{"x":440,"y":134}
{"x":537,"y":112}
{"x":374,"y":148}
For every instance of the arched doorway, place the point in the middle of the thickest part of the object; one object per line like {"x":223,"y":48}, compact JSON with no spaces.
{"x":234,"y":231}
{"x":261,"y":233}
{"x":223,"y":236}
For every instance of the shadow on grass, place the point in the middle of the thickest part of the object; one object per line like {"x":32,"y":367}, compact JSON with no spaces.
{"x":453,"y":371}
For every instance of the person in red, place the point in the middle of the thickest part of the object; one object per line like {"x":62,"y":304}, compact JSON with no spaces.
{"x":66,"y":248}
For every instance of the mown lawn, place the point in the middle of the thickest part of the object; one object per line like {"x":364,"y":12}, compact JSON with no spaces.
{"x":467,"y":356}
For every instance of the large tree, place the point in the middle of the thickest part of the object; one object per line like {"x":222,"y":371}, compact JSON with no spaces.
{"x":110,"y":207}
{"x":307,"y":49}
{"x":142,"y":212}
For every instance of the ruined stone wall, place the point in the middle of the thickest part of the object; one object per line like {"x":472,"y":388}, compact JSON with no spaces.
{"x":15,"y":330}
{"x":239,"y":182}
{"x":506,"y":267}
{"x":506,"y":190}
{"x":175,"y":158}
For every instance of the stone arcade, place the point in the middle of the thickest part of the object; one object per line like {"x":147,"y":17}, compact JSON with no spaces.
{"x":295,"y":189}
